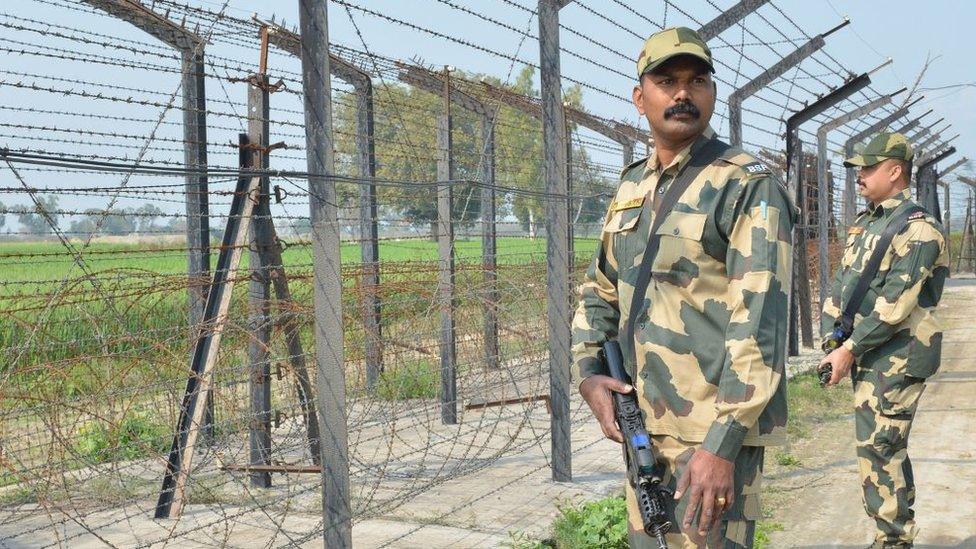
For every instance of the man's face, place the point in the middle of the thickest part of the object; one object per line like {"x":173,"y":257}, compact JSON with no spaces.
{"x":881,"y":181}
{"x":677,"y":98}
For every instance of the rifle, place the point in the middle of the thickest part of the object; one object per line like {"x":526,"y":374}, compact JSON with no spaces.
{"x":831,"y":342}
{"x":643,"y":471}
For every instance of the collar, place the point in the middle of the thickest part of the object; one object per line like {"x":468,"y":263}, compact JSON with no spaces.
{"x":680,"y":159}
{"x":889,"y":204}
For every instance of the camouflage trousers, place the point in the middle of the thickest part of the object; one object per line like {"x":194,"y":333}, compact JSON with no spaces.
{"x":738,"y":525}
{"x":884,"y":407}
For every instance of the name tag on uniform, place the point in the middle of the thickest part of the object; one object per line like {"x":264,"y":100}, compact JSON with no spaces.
{"x":627,"y":204}
{"x":855,"y":230}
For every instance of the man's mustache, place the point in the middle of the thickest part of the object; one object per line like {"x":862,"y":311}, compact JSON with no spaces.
{"x":682,"y":108}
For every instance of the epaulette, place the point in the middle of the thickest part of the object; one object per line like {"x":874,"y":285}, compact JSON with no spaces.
{"x":627,"y":169}
{"x":917,"y":215}
{"x":750,"y":164}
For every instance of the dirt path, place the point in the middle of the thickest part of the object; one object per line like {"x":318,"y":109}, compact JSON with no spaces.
{"x":818,"y":504}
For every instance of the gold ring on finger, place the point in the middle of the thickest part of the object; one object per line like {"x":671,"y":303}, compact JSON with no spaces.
{"x":721,"y":501}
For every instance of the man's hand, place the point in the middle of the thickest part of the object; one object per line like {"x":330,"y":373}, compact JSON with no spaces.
{"x":596,"y":392}
{"x":706,"y":479}
{"x":840,"y":360}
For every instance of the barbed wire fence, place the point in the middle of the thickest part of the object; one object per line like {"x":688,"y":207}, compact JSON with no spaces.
{"x":165,"y":364}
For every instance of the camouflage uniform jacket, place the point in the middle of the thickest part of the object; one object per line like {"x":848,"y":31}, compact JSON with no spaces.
{"x":896,"y":329}
{"x":711,"y":335}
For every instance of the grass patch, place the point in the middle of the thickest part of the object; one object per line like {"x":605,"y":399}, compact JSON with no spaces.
{"x":763,"y":529}
{"x":20,"y":495}
{"x":787,"y":459}
{"x":117,"y":490}
{"x":414,"y":379}
{"x":600,"y":524}
{"x":135,"y":436}
{"x":810,"y":404}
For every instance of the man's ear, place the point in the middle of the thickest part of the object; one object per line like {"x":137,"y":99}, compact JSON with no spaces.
{"x":639,"y":98}
{"x":896,"y":171}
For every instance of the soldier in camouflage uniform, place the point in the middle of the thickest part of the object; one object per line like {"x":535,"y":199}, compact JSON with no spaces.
{"x":710,"y":336}
{"x":896,"y":340}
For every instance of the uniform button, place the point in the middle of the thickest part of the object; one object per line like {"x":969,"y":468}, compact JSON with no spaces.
{"x":643,"y":374}
{"x":675,"y":231}
{"x":643,"y":325}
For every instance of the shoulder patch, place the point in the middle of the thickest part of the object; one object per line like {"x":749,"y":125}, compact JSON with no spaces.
{"x":749,"y":163}
{"x":917,"y":215}
{"x":755,"y":167}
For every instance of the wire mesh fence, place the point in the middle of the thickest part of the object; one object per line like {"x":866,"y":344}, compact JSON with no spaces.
{"x":154,"y":159}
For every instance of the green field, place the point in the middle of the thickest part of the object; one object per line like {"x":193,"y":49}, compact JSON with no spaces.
{"x":36,"y":262}
{"x":60,"y":330}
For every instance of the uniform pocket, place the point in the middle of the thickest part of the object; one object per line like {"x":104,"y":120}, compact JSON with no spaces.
{"x":924,"y":360}
{"x":898,"y":395}
{"x":681,"y":234}
{"x":622,"y":226}
{"x":623,"y":220}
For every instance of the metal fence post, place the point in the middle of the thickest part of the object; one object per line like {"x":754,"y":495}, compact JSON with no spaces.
{"x":259,"y":290}
{"x":557,"y":237}
{"x":801,"y":281}
{"x":927,"y":179}
{"x":369,"y":246}
{"x":489,"y":240}
{"x":794,"y":161}
{"x":570,"y":249}
{"x":327,"y":275}
{"x":445,"y":253}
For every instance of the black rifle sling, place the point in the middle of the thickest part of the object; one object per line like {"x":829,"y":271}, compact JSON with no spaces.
{"x":895,"y":226}
{"x":709,"y":153}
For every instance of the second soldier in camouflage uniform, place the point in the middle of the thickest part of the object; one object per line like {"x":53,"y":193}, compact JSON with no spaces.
{"x":896,"y":341}
{"x":710,"y":336}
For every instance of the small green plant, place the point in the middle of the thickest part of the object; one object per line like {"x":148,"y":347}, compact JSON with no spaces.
{"x":787,"y":459}
{"x":600,"y":524}
{"x":763,"y":529}
{"x":417,"y":379}
{"x":19,"y":495}
{"x":135,"y":436}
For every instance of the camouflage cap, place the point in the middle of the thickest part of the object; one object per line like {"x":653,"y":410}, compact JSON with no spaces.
{"x":669,"y":43}
{"x":881,"y":147}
